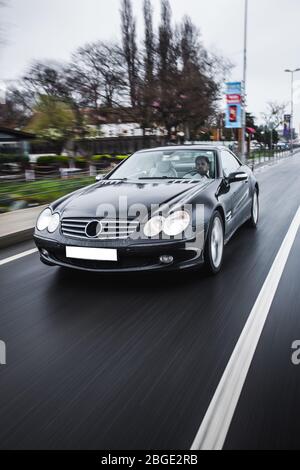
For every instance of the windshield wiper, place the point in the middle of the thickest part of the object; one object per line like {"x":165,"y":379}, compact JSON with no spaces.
{"x":160,"y":178}
{"x":117,"y":179}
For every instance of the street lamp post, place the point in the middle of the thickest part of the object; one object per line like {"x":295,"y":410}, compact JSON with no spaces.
{"x":292,"y":106}
{"x":244,"y":83}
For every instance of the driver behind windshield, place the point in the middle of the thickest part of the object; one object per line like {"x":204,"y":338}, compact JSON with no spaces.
{"x":202,"y":168}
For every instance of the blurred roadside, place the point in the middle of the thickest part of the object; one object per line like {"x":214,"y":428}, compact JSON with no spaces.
{"x":18,"y":226}
{"x":47,"y":178}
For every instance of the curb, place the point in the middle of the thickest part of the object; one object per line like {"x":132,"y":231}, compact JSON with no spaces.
{"x":16,"y":237}
{"x":19,"y":226}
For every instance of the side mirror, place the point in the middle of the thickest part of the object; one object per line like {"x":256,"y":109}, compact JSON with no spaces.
{"x":237,"y":177}
{"x":100,"y":177}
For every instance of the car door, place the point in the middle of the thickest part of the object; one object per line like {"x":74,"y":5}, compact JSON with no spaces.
{"x":239,"y":191}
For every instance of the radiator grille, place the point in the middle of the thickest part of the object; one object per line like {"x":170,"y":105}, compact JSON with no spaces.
{"x":98,"y":229}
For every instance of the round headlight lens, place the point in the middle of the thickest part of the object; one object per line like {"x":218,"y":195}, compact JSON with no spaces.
{"x":176,"y":223}
{"x":154,"y":226}
{"x":54,"y":223}
{"x":44,"y":219}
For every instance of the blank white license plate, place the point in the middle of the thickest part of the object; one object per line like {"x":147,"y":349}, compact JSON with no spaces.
{"x":94,"y":254}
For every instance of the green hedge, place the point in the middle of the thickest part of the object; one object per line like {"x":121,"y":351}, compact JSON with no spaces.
{"x":57,"y":160}
{"x":121,"y":157}
{"x":100,"y":158}
{"x":81,"y":162}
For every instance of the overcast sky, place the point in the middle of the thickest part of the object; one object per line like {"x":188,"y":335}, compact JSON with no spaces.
{"x":42,"y":29}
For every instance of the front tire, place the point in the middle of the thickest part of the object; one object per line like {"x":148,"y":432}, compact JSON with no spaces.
{"x":214,"y":247}
{"x":253,"y":221}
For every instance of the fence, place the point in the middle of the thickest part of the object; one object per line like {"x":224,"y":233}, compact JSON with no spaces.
{"x":262,"y":156}
{"x":40,"y":172}
{"x":112,"y":145}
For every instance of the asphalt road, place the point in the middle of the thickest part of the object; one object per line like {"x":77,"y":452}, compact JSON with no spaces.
{"x":133,"y":361}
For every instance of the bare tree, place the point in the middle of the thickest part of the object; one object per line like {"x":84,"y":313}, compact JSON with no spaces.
{"x":167,"y":71}
{"x":96,"y":82}
{"x":187,"y":92}
{"x":95,"y":76}
{"x":147,"y":86}
{"x":112,"y":66}
{"x":274,"y":115}
{"x":42,"y":78}
{"x":198,"y":88}
{"x":149,"y":41}
{"x":166,"y":45}
{"x":45,"y":78}
{"x":190,"y":44}
{"x":17,"y":109}
{"x":128,"y":27}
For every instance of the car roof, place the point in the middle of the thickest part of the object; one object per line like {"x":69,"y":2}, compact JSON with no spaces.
{"x":187,"y":147}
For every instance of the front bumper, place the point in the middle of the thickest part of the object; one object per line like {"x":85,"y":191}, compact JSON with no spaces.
{"x":131,"y":257}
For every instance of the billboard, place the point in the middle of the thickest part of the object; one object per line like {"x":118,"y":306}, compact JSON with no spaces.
{"x":233,"y":105}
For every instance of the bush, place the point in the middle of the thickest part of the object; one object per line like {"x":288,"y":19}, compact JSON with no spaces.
{"x":102,"y":161}
{"x":81,"y":162}
{"x":101,"y":158}
{"x":55,"y":160}
{"x":121,"y":157}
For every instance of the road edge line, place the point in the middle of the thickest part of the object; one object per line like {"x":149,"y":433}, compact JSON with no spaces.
{"x":15,"y":257}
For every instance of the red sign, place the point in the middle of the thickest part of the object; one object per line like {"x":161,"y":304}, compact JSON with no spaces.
{"x":234,"y":99}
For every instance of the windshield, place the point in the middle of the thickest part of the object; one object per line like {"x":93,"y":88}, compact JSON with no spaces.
{"x":168,"y":164}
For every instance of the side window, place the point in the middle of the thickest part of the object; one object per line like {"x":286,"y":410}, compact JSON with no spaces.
{"x":229,"y":163}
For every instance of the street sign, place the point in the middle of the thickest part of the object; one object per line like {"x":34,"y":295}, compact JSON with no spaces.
{"x":233,"y":88}
{"x":233,"y":99}
{"x":233,"y":118}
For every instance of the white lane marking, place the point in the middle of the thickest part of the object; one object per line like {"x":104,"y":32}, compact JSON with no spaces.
{"x":20,"y":255}
{"x":215,"y":425}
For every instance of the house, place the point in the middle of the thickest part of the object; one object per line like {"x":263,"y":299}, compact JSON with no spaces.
{"x":13,"y":141}
{"x":116,"y":122}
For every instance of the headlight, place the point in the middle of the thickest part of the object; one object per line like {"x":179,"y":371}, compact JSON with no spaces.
{"x":44,"y":219}
{"x":54,"y":222}
{"x":154,"y":226}
{"x":176,"y":223}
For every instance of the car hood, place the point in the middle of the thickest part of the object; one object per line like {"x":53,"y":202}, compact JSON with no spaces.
{"x":90,"y":201}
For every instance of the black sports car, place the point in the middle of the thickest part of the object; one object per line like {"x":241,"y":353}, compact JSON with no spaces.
{"x":161,"y":209}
